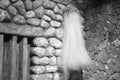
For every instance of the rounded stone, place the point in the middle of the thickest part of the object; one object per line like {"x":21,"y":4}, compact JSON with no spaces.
{"x":33,"y":21}
{"x":39,"y":51}
{"x":61,"y":6}
{"x":58,"y":52}
{"x":49,"y":51}
{"x":30,"y":14}
{"x":40,"y":61}
{"x":50,"y":32}
{"x":47,"y":18}
{"x":58,"y":17}
{"x":46,"y":76}
{"x":59,"y":33}
{"x":44,"y":24}
{"x":19,"y":5}
{"x":4,"y":15}
{"x":57,"y":10}
{"x":55,"y":42}
{"x":50,"y":13}
{"x":18,"y":19}
{"x":28,"y":4}
{"x":38,"y":69}
{"x":4,"y":3}
{"x":48,"y":4}
{"x":40,"y":41}
{"x":39,"y":12}
{"x":55,"y":23}
{"x":51,"y":68}
{"x":12,"y":10}
{"x":37,"y":3}
{"x":56,"y":76}
{"x":52,"y":60}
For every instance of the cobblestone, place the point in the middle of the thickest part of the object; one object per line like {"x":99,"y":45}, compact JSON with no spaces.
{"x":40,"y":41}
{"x":34,"y":21}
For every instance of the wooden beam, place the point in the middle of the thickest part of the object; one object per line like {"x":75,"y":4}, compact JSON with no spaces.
{"x":24,"y":59}
{"x":22,"y":30}
{"x":1,"y":55}
{"x":6,"y":61}
{"x":14,"y":58}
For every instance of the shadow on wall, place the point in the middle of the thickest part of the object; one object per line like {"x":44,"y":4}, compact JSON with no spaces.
{"x":90,"y":4}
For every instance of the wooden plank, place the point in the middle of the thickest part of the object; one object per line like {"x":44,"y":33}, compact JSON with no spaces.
{"x":6,"y":62}
{"x":1,"y":55}
{"x":23,"y":30}
{"x":24,"y":56}
{"x":29,"y":62}
{"x":14,"y":59}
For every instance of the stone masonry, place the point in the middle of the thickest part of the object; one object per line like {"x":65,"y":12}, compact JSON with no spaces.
{"x":102,"y":37}
{"x":103,"y":42}
{"x":47,"y":15}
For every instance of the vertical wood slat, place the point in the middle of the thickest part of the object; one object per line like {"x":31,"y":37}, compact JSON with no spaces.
{"x":24,"y":56}
{"x":6,"y":61}
{"x":1,"y":55}
{"x":14,"y":59}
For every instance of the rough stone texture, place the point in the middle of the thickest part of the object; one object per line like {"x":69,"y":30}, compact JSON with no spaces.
{"x":41,"y":21}
{"x":40,"y":41}
{"x":50,"y":32}
{"x":56,"y":76}
{"x":4,"y":15}
{"x":39,"y":51}
{"x":49,"y":51}
{"x":61,"y":6}
{"x":44,"y":24}
{"x":39,"y":12}
{"x":59,"y":33}
{"x":34,"y":21}
{"x":52,"y":60}
{"x":55,"y":43}
{"x":51,"y":68}
{"x":58,"y":52}
{"x":47,"y":76}
{"x":19,"y":5}
{"x":102,"y":41}
{"x":47,"y":18}
{"x":57,"y":10}
{"x":40,"y":61}
{"x":4,"y":3}
{"x":102,"y":57}
{"x":38,"y":69}
{"x":58,"y":17}
{"x":116,"y":42}
{"x":19,"y":19}
{"x":50,"y":13}
{"x":30,"y":14}
{"x":37,"y":3}
{"x":48,"y":4}
{"x":28,"y":4}
{"x":12,"y":10}
{"x":55,"y":23}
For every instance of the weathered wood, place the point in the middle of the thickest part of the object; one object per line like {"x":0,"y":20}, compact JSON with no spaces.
{"x":6,"y":62}
{"x":23,"y":30}
{"x":1,"y":55}
{"x":24,"y":56}
{"x":14,"y":59}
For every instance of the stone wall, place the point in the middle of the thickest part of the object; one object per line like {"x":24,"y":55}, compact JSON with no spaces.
{"x":47,"y":15}
{"x":103,"y":42}
{"x":102,"y":36}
